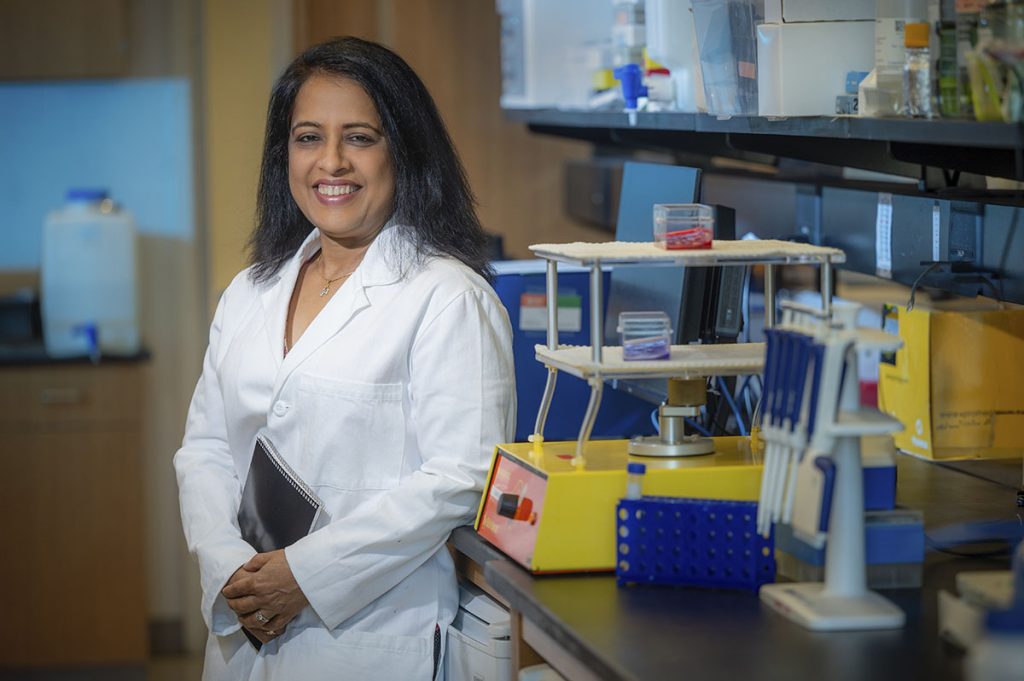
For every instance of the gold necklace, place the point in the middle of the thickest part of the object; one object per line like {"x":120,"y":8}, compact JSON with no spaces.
{"x":327,"y":285}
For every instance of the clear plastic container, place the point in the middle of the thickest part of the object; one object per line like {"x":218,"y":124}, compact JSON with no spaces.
{"x":727,"y":43}
{"x":645,"y":335}
{"x":680,"y":226}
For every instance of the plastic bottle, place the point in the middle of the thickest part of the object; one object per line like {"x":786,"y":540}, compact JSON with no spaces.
{"x":917,"y":72}
{"x":89,"y":278}
{"x":635,"y":480}
{"x":891,"y":16}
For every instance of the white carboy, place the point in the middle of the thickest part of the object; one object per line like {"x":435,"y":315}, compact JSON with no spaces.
{"x":89,"y":278}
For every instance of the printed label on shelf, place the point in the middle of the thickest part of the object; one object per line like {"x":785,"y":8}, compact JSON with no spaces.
{"x":883,"y":236}
{"x":936,"y":224}
{"x":533,"y":312}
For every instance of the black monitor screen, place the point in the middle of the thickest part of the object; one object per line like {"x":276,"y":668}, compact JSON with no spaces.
{"x":649,"y":288}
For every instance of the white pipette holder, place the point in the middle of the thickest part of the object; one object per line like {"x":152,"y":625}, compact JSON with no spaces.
{"x":843,"y":602}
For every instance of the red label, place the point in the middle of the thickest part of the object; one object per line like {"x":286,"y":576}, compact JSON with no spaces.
{"x":533,"y":300}
{"x":516,"y":536}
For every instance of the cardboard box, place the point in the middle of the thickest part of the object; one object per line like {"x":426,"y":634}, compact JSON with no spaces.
{"x":958,"y":383}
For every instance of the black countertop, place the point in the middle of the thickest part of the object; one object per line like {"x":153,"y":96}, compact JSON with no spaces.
{"x":642,"y":633}
{"x":34,"y":354}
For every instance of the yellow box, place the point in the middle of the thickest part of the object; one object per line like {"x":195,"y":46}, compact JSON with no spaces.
{"x":958,"y":383}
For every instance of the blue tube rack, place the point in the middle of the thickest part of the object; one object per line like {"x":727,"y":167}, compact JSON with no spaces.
{"x":696,"y":542}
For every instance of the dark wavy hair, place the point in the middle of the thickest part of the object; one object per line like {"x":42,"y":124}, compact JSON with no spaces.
{"x":432,"y":203}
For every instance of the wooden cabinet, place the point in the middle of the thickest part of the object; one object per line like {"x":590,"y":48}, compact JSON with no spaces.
{"x":71,"y":515}
{"x":63,"y":38}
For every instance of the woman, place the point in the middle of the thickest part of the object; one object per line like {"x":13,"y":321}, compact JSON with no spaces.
{"x":365,"y":343}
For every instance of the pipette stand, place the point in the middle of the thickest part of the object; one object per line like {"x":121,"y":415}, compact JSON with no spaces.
{"x":843,"y":602}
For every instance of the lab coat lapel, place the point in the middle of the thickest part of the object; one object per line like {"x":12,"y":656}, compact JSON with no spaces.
{"x":375,"y":270}
{"x":345,"y":304}
{"x":276,"y":294}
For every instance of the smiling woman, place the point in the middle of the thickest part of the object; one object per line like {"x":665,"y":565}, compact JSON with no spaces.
{"x":339,"y":170}
{"x":367,"y":346}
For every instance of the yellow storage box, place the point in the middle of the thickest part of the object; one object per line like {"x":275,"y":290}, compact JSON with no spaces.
{"x":958,"y":383}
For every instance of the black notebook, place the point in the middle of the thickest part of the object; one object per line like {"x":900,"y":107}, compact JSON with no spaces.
{"x":277,"y":507}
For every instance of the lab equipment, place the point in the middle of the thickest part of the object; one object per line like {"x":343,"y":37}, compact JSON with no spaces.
{"x":479,"y":639}
{"x":645,"y":335}
{"x":699,"y":542}
{"x":686,"y":399}
{"x":89,"y":287}
{"x":570,"y":523}
{"x":812,"y":472}
{"x":682,"y":226}
{"x":571,"y":488}
{"x":917,"y":72}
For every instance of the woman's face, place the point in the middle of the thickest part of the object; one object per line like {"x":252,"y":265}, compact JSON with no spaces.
{"x":339,"y":168}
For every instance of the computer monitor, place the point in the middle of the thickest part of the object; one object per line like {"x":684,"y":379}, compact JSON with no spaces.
{"x":703,"y":304}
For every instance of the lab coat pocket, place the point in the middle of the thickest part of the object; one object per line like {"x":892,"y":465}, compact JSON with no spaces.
{"x":355,"y":433}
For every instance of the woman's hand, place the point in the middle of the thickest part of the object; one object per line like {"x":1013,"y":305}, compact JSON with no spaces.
{"x":264,"y":595}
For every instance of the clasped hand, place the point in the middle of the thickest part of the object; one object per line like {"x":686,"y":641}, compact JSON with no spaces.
{"x":264,"y":595}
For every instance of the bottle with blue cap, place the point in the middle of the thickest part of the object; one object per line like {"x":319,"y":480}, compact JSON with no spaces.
{"x":88,"y":274}
{"x":635,"y":480}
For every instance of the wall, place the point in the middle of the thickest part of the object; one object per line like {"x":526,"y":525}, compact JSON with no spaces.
{"x":245,"y":46}
{"x":133,"y":138}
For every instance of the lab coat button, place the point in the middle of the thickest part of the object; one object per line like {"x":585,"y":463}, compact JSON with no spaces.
{"x":280,"y":408}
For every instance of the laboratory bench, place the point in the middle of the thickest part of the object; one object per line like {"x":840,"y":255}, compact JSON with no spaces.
{"x":587,"y":627}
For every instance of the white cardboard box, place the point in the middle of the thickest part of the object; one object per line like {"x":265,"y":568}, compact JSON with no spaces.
{"x":803,"y":66}
{"x":792,"y":11}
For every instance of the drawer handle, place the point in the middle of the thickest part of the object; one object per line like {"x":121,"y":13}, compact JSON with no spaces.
{"x":61,"y":396}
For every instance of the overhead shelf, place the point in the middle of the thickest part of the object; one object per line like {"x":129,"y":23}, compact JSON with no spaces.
{"x":766,"y":251}
{"x":939,"y":132}
{"x":891,"y":145}
{"x":685,"y":361}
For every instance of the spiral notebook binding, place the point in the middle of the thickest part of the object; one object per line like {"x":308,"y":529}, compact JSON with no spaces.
{"x":293,"y":478}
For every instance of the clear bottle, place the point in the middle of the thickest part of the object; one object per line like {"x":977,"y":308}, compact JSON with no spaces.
{"x":917,"y":72}
{"x":635,"y":480}
{"x":891,"y":16}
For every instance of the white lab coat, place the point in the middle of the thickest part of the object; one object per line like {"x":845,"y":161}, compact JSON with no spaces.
{"x":389,"y":406}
